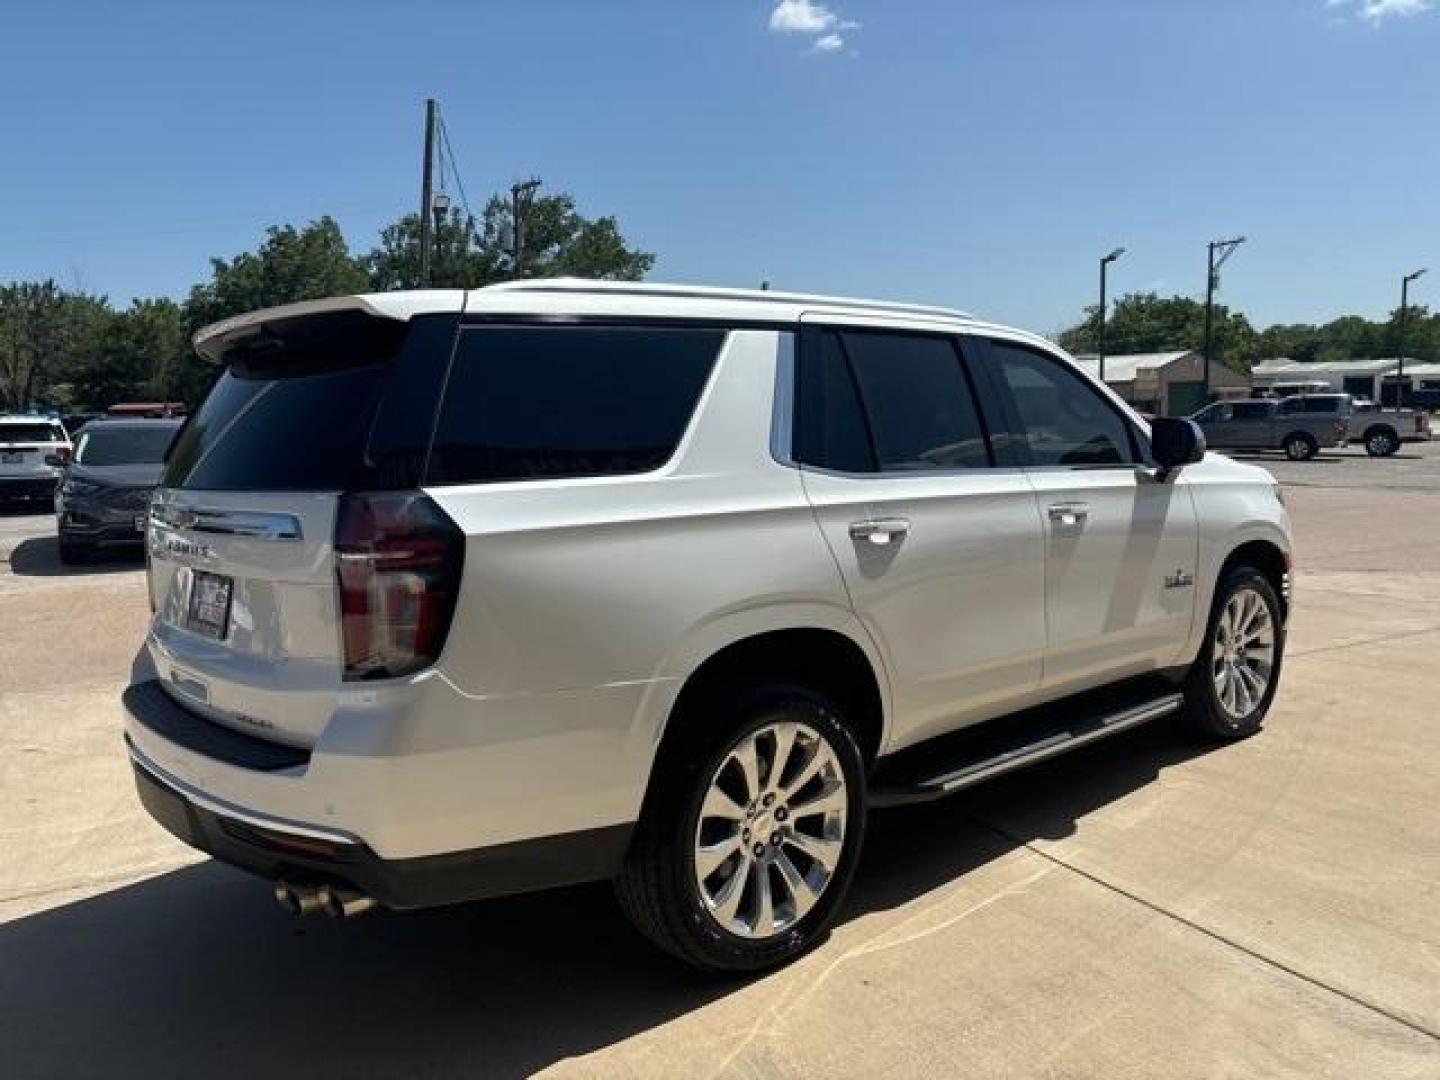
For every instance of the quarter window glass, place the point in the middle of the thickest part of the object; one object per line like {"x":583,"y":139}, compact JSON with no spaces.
{"x":529,"y":402}
{"x":829,"y":426}
{"x":1059,"y":419}
{"x":918,"y":401}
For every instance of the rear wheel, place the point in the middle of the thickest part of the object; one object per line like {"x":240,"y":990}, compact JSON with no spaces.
{"x":1381,"y":442}
{"x":1230,"y":687}
{"x":1300,"y":446}
{"x":750,"y":837}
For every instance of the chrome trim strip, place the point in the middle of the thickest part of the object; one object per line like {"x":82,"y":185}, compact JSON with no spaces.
{"x":230,"y":810}
{"x":259,"y":524}
{"x":1048,"y":748}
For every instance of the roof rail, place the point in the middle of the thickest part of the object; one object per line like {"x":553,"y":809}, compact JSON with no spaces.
{"x":706,"y":292}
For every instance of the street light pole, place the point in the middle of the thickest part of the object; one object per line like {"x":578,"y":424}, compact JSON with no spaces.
{"x":1100,"y":330}
{"x":426,"y":182}
{"x":1400,"y":333}
{"x":1220,"y":250}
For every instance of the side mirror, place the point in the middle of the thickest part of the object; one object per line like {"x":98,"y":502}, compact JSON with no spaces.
{"x":1175,"y":442}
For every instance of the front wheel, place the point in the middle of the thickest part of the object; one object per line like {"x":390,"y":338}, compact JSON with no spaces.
{"x":1230,"y":686}
{"x":751,"y":834}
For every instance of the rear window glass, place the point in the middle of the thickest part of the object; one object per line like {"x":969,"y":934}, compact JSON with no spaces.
{"x":305,"y":433}
{"x":289,"y":414}
{"x":528,"y":402}
{"x":30,"y":433}
{"x":124,"y":445}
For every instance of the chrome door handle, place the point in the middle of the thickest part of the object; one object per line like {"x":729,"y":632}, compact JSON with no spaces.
{"x":1069,"y":515}
{"x":879,"y":530}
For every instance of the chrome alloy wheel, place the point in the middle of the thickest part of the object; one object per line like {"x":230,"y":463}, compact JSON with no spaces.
{"x":1243,"y":655}
{"x":771,"y":830}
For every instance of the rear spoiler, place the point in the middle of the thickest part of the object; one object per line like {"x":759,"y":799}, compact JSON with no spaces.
{"x":260,"y":332}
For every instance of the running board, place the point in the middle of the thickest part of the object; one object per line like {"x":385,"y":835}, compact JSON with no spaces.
{"x":971,"y":756}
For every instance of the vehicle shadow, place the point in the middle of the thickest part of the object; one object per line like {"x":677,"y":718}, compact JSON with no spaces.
{"x":197,"y":973}
{"x":40,"y":557}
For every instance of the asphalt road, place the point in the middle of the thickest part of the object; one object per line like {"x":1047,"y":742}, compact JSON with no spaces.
{"x":1145,"y":908}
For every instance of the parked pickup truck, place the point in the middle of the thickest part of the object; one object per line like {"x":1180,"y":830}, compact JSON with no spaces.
{"x":1301,"y":425}
{"x":1381,"y":429}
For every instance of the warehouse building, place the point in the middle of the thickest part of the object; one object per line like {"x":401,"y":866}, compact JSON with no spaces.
{"x":1166,"y":383}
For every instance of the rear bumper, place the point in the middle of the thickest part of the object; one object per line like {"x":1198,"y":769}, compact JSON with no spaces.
{"x":277,"y":850}
{"x":27,"y":487}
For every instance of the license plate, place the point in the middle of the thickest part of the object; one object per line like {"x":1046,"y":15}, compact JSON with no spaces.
{"x":209,"y":604}
{"x":11,"y":459}
{"x":140,"y":523}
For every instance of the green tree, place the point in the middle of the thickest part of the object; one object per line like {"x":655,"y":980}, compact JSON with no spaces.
{"x":291,"y":264}
{"x":46,"y":335}
{"x":143,"y":354}
{"x":468,"y":254}
{"x":458,"y":260}
{"x":1146,"y":322}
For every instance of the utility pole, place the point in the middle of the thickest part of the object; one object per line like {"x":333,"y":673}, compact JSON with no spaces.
{"x":522,"y":194}
{"x":1400,"y":332}
{"x":426,"y":179}
{"x":1220,"y":250}
{"x":1100,"y":329}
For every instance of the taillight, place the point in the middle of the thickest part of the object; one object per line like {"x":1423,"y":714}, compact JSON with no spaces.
{"x":63,"y":453}
{"x":398,"y":559}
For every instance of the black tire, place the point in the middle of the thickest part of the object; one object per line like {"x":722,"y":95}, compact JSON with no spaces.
{"x":73,"y":553}
{"x":1205,"y":712}
{"x":657,"y":887}
{"x":1300,"y":446}
{"x":1381,"y":442}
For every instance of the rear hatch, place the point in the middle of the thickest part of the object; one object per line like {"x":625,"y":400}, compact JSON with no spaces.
{"x":315,"y":404}
{"x":25,"y":445}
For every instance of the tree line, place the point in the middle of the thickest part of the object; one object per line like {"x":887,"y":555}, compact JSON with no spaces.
{"x":1145,"y":322}
{"x":74,"y":350}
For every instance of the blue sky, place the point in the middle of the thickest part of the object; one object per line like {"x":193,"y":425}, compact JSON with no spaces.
{"x":977,"y":154}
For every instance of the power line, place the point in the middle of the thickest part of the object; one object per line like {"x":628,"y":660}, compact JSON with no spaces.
{"x":448,"y":152}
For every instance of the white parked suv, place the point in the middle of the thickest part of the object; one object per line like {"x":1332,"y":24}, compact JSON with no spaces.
{"x":33,"y":453}
{"x":459,"y":594}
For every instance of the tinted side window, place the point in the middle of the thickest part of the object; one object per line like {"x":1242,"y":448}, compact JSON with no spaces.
{"x":527,"y":402}
{"x":1056,"y":417}
{"x":830,"y":427}
{"x":918,"y":401}
{"x":1251,"y":410}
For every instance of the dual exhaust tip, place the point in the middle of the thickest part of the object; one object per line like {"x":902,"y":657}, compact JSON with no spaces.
{"x":337,"y":902}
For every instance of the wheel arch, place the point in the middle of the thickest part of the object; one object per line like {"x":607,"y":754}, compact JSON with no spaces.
{"x":817,"y":653}
{"x":1267,"y":557}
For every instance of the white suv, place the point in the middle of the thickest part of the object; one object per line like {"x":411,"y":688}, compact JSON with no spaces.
{"x":33,"y":453}
{"x":460,"y":594}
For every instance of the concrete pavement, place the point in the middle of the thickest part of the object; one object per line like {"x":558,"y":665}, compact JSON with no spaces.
{"x":1144,"y":908}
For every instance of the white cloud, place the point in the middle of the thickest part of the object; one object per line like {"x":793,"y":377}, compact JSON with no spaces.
{"x":1374,"y":11}
{"x":801,"y":17}
{"x":812,"y":17}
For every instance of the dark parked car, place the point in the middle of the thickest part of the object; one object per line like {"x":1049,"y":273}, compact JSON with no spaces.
{"x":104,"y":495}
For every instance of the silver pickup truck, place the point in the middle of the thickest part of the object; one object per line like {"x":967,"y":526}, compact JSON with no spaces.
{"x":1381,"y":429}
{"x":1301,"y":425}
